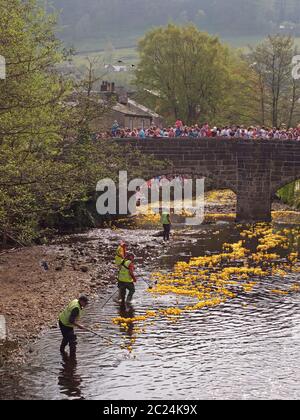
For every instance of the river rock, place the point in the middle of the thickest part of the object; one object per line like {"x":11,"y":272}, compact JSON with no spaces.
{"x":3,"y":331}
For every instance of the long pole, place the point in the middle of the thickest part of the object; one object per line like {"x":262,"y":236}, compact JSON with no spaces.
{"x":110,"y":297}
{"x":148,"y":283}
{"x":101,"y":336}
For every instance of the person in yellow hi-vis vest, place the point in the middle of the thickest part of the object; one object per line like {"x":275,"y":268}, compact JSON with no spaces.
{"x":68,"y":319}
{"x":120,"y":254}
{"x":166,"y":222}
{"x":126,"y":278}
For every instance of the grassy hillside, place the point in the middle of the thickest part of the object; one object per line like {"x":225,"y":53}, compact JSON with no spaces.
{"x":110,"y":54}
{"x":89,"y":23}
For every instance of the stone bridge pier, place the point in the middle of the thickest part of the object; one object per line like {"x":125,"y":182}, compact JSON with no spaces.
{"x":253,"y":169}
{"x":254,"y":196}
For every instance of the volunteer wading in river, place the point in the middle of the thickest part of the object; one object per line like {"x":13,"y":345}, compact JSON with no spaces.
{"x":68,"y":319}
{"x":166,"y":222}
{"x":126,"y":278}
{"x":120,"y":254}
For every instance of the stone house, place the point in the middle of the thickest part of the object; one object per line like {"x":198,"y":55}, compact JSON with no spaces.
{"x":128,"y":113}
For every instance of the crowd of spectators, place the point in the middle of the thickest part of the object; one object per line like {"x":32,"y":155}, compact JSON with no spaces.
{"x":205,"y":130}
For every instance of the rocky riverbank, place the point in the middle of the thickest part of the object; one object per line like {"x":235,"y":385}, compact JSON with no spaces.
{"x":32,"y":296}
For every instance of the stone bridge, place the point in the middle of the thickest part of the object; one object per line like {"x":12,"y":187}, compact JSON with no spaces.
{"x":253,"y":169}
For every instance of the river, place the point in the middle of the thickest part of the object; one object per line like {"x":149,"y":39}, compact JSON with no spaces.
{"x":245,"y":348}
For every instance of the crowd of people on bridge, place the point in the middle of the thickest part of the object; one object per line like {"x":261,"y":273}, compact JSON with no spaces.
{"x":205,"y":130}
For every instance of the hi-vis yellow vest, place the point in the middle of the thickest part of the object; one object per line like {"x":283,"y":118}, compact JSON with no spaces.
{"x":165,"y":219}
{"x":64,"y":317}
{"x":124,"y":273}
{"x":120,"y":255}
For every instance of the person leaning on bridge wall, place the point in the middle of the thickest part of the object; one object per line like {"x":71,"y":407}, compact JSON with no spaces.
{"x":115,"y":128}
{"x":204,"y":131}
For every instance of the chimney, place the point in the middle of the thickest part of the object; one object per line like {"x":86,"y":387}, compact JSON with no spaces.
{"x":122,"y":95}
{"x":103,"y":87}
{"x":107,"y":90}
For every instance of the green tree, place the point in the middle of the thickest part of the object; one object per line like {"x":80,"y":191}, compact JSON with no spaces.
{"x":240,"y":103}
{"x":278,"y":91}
{"x":31,"y":114}
{"x":188,"y":69}
{"x":48,"y":162}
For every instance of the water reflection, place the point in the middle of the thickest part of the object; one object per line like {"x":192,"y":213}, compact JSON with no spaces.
{"x":69,"y":380}
{"x":126,"y":310}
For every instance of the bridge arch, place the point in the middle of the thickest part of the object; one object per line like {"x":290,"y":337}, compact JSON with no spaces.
{"x":253,"y":169}
{"x":285,"y":182}
{"x":218,"y":183}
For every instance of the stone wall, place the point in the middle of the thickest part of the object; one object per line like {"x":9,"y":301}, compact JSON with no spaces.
{"x":253,"y":169}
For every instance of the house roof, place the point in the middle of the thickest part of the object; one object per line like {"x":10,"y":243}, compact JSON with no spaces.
{"x":133,"y":104}
{"x":124,"y":109}
{"x":132,"y":108}
{"x":115,"y":68}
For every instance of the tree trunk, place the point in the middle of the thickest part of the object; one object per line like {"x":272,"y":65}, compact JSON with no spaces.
{"x":294,"y":99}
{"x":192,"y":115}
{"x":4,"y":239}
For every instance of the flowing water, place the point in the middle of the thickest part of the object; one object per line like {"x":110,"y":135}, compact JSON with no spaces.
{"x":246,"y":348}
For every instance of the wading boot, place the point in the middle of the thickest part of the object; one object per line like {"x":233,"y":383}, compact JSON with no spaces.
{"x":63,"y":346}
{"x":73,"y":348}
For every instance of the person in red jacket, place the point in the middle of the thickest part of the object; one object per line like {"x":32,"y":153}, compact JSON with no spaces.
{"x":178,"y":123}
